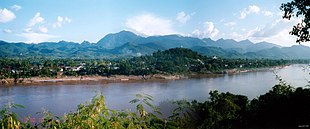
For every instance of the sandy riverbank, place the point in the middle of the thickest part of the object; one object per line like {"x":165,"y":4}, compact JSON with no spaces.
{"x":120,"y":78}
{"x":88,"y":79}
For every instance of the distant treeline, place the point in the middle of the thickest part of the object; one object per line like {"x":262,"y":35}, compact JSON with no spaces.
{"x":172,"y":61}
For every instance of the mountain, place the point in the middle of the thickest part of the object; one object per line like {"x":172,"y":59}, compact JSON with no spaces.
{"x":271,"y":53}
{"x":60,"y":49}
{"x":172,"y":41}
{"x":261,"y":46}
{"x":224,"y":43}
{"x":111,"y":41}
{"x":241,"y":46}
{"x":217,"y":51}
{"x":297,"y":51}
{"x":132,"y":49}
{"x":128,"y":44}
{"x":293,"y":52}
{"x":12,"y":49}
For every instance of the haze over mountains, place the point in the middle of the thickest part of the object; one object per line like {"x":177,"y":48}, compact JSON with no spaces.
{"x":128,"y":44}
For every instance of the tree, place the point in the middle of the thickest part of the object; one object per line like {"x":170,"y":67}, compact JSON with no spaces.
{"x":301,"y":30}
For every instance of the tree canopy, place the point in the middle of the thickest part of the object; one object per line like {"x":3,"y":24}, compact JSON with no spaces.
{"x":298,"y":8}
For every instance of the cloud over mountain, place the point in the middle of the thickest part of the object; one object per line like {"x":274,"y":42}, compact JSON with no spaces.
{"x":182,"y":17}
{"x":150,"y":25}
{"x":249,"y":10}
{"x":208,"y":30}
{"x":6,"y":15}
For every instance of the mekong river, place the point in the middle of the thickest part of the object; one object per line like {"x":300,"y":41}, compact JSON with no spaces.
{"x":61,"y":99}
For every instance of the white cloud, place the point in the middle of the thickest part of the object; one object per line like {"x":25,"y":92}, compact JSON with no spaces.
{"x":36,"y":37}
{"x":276,"y":27}
{"x":28,"y":29}
{"x":208,"y":30}
{"x":35,"y":20}
{"x":16,"y":7}
{"x":183,"y":18}
{"x":249,"y":10}
{"x":150,"y":25}
{"x":282,"y":38}
{"x":230,"y":24}
{"x":267,"y":13}
{"x":6,"y":15}
{"x":67,"y":20}
{"x":42,"y":29}
{"x":277,"y":32}
{"x":244,"y":35}
{"x":7,"y":31}
{"x":35,"y":31}
{"x":254,"y":9}
{"x":60,"y":21}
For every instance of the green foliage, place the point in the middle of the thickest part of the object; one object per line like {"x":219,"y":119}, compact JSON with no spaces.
{"x":221,"y":111}
{"x":186,"y":61}
{"x":301,"y":7}
{"x":9,"y":119}
{"x":172,"y":61}
{"x":95,"y":114}
{"x":283,"y":106}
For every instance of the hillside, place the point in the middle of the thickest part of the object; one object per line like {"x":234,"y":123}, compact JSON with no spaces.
{"x":128,"y":44}
{"x":175,"y":61}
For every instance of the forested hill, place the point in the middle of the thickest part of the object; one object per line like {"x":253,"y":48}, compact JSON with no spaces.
{"x":172,"y":61}
{"x":182,"y":60}
{"x":127,"y":44}
{"x":281,"y":107}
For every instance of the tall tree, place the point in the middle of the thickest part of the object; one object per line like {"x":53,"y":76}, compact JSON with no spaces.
{"x":299,"y":8}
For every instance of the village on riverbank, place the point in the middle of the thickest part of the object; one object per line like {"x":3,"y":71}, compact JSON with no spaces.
{"x":172,"y":64}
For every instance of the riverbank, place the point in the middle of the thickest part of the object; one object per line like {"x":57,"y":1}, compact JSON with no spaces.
{"x":88,"y":79}
{"x":122,"y":78}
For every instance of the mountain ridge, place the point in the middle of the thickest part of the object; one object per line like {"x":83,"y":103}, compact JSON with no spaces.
{"x":128,"y":44}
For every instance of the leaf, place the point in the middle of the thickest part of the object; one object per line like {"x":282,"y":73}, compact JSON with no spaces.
{"x":131,"y":126}
{"x":140,"y":107}
{"x":139,"y":96}
{"x":18,"y":105}
{"x":134,"y":101}
{"x":148,"y":96}
{"x":148,"y":103}
{"x":158,"y":112}
{"x":14,"y":115}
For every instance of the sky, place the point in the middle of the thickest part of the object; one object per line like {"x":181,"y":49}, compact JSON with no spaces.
{"x":35,"y":21}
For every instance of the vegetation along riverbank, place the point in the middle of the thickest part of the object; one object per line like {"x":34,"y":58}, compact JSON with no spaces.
{"x":174,"y":63}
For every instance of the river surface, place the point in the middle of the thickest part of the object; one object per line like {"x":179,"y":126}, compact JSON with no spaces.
{"x":60,"y":99}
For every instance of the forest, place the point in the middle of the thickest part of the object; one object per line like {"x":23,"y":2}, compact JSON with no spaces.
{"x":281,"y":107}
{"x":170,"y":62}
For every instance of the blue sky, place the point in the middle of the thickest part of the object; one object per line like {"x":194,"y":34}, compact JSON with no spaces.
{"x":36,"y":21}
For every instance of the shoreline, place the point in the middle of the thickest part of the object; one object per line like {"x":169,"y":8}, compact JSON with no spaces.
{"x":88,"y":79}
{"x":93,"y":79}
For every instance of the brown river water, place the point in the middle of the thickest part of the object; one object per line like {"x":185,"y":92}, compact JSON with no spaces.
{"x":60,"y":99}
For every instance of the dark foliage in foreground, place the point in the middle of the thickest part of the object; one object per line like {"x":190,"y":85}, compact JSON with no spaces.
{"x":298,"y":8}
{"x":281,"y":107}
